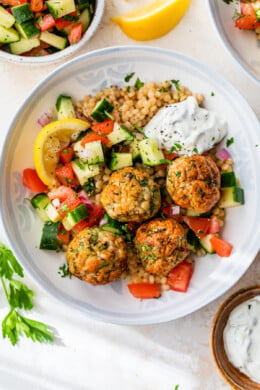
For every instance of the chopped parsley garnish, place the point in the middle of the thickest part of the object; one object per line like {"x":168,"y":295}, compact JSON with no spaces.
{"x":229,"y":142}
{"x":65,"y":207}
{"x":178,"y":174}
{"x":174,"y":148}
{"x":139,"y":129}
{"x":212,"y":94}
{"x":129,"y":76}
{"x":138,"y":83}
{"x":228,"y":1}
{"x":128,"y":89}
{"x":89,"y":187}
{"x":195,"y":150}
{"x":103,"y":265}
{"x":249,"y":307}
{"x":65,"y":151}
{"x":163,"y":89}
{"x":177,"y":84}
{"x":109,"y":116}
{"x":64,"y":271}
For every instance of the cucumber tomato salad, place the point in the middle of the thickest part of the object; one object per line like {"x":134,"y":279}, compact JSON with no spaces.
{"x":248,"y":16}
{"x":42,"y":27}
{"x":160,"y":205}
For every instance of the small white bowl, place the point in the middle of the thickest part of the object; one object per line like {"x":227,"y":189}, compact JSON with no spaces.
{"x":68,"y":51}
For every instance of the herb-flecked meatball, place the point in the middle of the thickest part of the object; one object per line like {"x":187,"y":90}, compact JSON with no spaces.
{"x":193,"y":182}
{"x":97,"y":256}
{"x":161,"y":244}
{"x":131,"y":195}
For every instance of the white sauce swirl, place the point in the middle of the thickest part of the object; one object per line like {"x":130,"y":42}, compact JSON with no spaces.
{"x":186,"y":128}
{"x":242,"y":338}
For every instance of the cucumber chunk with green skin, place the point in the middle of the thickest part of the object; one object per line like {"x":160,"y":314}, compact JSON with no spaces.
{"x":22,"y":13}
{"x":206,"y":244}
{"x":8,"y":35}
{"x":52,"y":212}
{"x":193,"y":213}
{"x":27,"y":29}
{"x":39,"y":202}
{"x":119,"y":134}
{"x":112,"y":225}
{"x":193,"y":241}
{"x":82,"y":4}
{"x":135,"y":149}
{"x":99,"y":112}
{"x":59,"y":8}
{"x":75,"y":216}
{"x":49,"y":236}
{"x":64,"y":107}
{"x":120,"y":160}
{"x":53,"y":40}
{"x":84,"y":171}
{"x":6,"y":19}
{"x":151,"y":154}
{"x":228,"y":179}
{"x":91,"y":153}
{"x":23,"y":45}
{"x":231,"y":197}
{"x":85,"y":19}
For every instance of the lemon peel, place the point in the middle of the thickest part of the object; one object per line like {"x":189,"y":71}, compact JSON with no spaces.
{"x":48,"y":144}
{"x":153,"y":20}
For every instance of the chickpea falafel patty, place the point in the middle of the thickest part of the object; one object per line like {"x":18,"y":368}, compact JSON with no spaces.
{"x":161,"y":244}
{"x":97,"y":256}
{"x":193,"y":182}
{"x":131,"y":195}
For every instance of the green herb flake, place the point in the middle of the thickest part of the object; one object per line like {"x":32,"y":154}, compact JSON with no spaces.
{"x":178,"y":174}
{"x":195,"y":150}
{"x":229,"y":142}
{"x":138,"y":83}
{"x":65,"y":208}
{"x":128,"y":89}
{"x":177,"y":84}
{"x":212,"y":94}
{"x":89,"y":187}
{"x":103,"y":265}
{"x":129,"y":76}
{"x":64,"y":271}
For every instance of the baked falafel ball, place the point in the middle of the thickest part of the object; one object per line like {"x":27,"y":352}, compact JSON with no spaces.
{"x":161,"y":244}
{"x":193,"y":182}
{"x":97,"y":256}
{"x":131,"y":195}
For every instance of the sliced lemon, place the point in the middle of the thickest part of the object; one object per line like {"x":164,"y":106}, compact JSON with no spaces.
{"x":49,"y":142}
{"x":153,"y":20}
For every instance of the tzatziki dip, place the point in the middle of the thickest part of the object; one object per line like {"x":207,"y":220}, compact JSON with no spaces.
{"x":242,"y":338}
{"x":186,"y":128}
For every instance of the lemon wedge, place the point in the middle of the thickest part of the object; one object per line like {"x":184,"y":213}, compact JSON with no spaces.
{"x":153,"y":20}
{"x":50,"y":141}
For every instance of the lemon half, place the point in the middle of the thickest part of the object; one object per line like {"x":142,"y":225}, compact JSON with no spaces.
{"x":48,"y":144}
{"x":153,"y":20}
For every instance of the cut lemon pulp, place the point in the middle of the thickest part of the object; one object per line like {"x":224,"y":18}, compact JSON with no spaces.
{"x":153,"y":20}
{"x":48,"y":144}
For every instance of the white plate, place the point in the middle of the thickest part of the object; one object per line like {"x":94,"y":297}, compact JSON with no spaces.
{"x":89,"y":73}
{"x":241,"y":44}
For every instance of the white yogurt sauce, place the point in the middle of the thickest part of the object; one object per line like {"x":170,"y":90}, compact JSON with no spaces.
{"x":186,"y":128}
{"x":242,"y":338}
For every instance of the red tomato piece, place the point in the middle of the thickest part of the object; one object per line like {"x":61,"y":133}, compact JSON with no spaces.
{"x":75,"y":33}
{"x":213,"y":225}
{"x":32,"y":181}
{"x":169,"y":156}
{"x":145,"y":290}
{"x":60,"y":23}
{"x":13,"y":3}
{"x":47,"y":21}
{"x":96,"y":214}
{"x":90,"y":137}
{"x":36,"y":5}
{"x":221,"y":247}
{"x":247,"y":20}
{"x":104,"y":128}
{"x":80,"y":226}
{"x":180,"y":276}
{"x":66,"y":155}
{"x":66,"y":176}
{"x":63,"y":236}
{"x":199,"y":225}
{"x":68,"y":199}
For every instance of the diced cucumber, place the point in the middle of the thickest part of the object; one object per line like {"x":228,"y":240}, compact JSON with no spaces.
{"x":49,"y":236}
{"x":120,"y":160}
{"x":85,"y":19}
{"x":75,"y":216}
{"x":23,"y":45}
{"x":64,"y":107}
{"x":112,"y":225}
{"x":22,"y":13}
{"x":82,"y":4}
{"x":59,"y":8}
{"x":231,"y":197}
{"x":193,"y":213}
{"x":228,"y":179}
{"x":206,"y":244}
{"x":84,"y":171}
{"x":135,"y":149}
{"x":91,"y":153}
{"x":119,"y":134}
{"x":39,"y":202}
{"x":8,"y":35}
{"x":193,"y":241}
{"x":150,"y":152}
{"x":99,"y":112}
{"x":6,"y":19}
{"x":52,"y":213}
{"x":53,"y":40}
{"x":27,"y":29}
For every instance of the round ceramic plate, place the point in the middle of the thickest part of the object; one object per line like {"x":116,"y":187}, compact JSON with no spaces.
{"x":241,"y":44}
{"x":88,"y":74}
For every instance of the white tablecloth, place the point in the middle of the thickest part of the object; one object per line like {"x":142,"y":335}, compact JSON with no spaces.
{"x":94,"y":355}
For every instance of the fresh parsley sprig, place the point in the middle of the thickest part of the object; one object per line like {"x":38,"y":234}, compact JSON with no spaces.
{"x":18,"y":296}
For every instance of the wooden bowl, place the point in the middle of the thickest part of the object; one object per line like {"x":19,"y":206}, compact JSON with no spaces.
{"x":235,"y":378}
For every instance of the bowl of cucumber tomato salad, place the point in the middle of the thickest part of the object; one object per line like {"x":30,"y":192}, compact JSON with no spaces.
{"x":131,"y":185}
{"x":46,"y":30}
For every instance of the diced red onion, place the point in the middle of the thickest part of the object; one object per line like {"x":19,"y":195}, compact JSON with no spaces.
{"x":83,"y":197}
{"x":80,"y":115}
{"x":223,"y":154}
{"x":175,"y":210}
{"x":8,"y":10}
{"x":44,"y":119}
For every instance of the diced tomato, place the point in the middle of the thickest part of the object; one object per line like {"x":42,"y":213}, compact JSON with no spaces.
{"x":13,"y":3}
{"x":46,"y":22}
{"x":36,"y":5}
{"x":104,"y":128}
{"x":221,"y":247}
{"x":180,"y":276}
{"x":90,"y":137}
{"x":169,"y":156}
{"x":60,"y":23}
{"x":68,"y":199}
{"x":199,"y":225}
{"x":75,"y":33}
{"x":63,"y":236}
{"x":247,"y":20}
{"x":95,"y":216}
{"x":32,"y":181}
{"x":145,"y":290}
{"x":66,"y":176}
{"x":80,"y":226}
{"x":213,"y":225}
{"x":66,"y":155}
